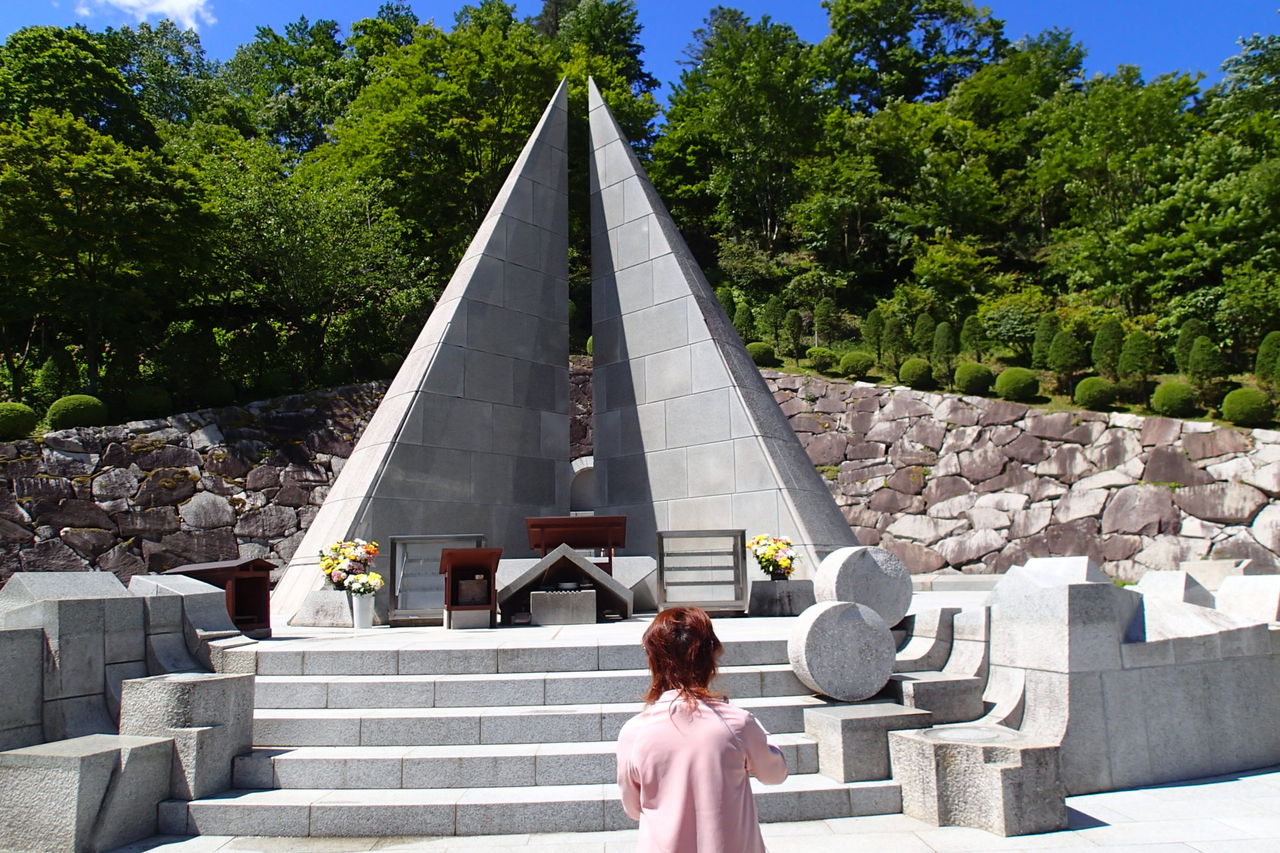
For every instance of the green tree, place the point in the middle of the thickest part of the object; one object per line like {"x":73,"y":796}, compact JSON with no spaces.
{"x":770,"y":320}
{"x":793,"y":343}
{"x":611,"y":29}
{"x":1264,"y":370}
{"x":166,"y":69}
{"x":1187,"y":335}
{"x":873,"y":331}
{"x":1206,"y":369}
{"x":826,"y":321}
{"x":1136,"y":363}
{"x":1012,"y":319}
{"x":879,"y":50}
{"x":972,"y":337}
{"x":744,"y":321}
{"x":724,"y":296}
{"x":105,"y":232}
{"x":1047,"y":329}
{"x":944,"y":353}
{"x":1067,"y":356}
{"x":1107,"y":344}
{"x":922,"y":334}
{"x":895,"y":344}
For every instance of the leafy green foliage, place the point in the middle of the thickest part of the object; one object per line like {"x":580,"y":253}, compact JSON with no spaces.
{"x":1107,"y":344}
{"x":894,"y":343}
{"x":744,"y":321}
{"x":857,"y":364}
{"x":1174,"y":400}
{"x":826,"y":321}
{"x":972,"y":337}
{"x":1206,"y":368}
{"x":1047,"y":328}
{"x":762,"y":354}
{"x":1017,"y":384}
{"x":793,"y":333}
{"x":1094,"y":392}
{"x":1248,"y":407}
{"x":17,"y":420}
{"x":1137,"y":357}
{"x":821,"y":359}
{"x":873,"y":331}
{"x":77,"y":410}
{"x":922,"y":334}
{"x":916,"y":373}
{"x":147,"y":401}
{"x":1267,"y":361}
{"x":1192,"y":329}
{"x":973,"y":378}
{"x":943,"y":353}
{"x":1067,"y":356}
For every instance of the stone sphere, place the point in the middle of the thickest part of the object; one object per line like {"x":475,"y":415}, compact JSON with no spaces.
{"x":866,"y":575}
{"x":842,"y":650}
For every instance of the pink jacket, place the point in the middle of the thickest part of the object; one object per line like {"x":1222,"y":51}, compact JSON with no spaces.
{"x":684,"y":774}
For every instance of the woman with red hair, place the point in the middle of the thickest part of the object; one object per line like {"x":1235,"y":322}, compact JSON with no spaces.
{"x":685,"y":761}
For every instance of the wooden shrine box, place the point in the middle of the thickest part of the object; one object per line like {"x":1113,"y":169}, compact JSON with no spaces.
{"x":603,"y":533}
{"x":470,"y":586}
{"x":247,"y":583}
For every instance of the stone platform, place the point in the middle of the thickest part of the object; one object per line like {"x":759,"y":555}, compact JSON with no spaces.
{"x":428,"y":731}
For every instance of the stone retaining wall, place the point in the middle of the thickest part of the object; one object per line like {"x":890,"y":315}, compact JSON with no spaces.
{"x":943,"y":481}
{"x":979,"y":485}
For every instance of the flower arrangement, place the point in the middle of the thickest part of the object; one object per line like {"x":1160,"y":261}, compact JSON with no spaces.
{"x":775,"y":554}
{"x":365,"y":583}
{"x":344,"y":562}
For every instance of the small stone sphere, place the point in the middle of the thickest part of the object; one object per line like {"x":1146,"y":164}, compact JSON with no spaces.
{"x":866,"y":575}
{"x":842,"y":650}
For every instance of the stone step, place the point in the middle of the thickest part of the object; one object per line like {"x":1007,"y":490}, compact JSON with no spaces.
{"x":470,"y":765}
{"x":329,"y":812}
{"x":378,"y":656}
{"x":490,"y":689}
{"x":476,"y":725}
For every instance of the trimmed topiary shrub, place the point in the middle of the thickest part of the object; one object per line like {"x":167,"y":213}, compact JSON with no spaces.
{"x":1017,"y":384}
{"x":17,"y":420}
{"x":762,"y":354}
{"x":1174,"y":400}
{"x":820,"y":358}
{"x":77,"y":410}
{"x":145,"y":401}
{"x":857,"y":365}
{"x":591,"y":345}
{"x":1247,"y":407}
{"x":974,"y":379}
{"x":916,"y":373}
{"x":1095,"y":393}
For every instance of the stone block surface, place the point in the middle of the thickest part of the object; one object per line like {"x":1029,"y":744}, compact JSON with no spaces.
{"x":1253,"y":597}
{"x":852,"y":739}
{"x":986,"y":777}
{"x":209,"y":716}
{"x":1175,"y":585}
{"x":84,"y":794}
{"x":567,"y":607}
{"x":842,"y":650}
{"x":949,"y":698}
{"x":21,"y":653}
{"x":780,"y":598}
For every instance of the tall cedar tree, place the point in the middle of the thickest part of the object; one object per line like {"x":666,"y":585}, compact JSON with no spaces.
{"x":1046,"y":330}
{"x":873,"y":331}
{"x":922,"y":335}
{"x":826,"y":321}
{"x":793,"y":334}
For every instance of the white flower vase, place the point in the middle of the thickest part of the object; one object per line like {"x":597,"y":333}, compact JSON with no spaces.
{"x":362,"y":611}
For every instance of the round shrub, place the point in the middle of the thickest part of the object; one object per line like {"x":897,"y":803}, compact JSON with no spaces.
{"x":1174,"y":400}
{"x":77,"y":410}
{"x":820,"y":358}
{"x":974,"y":379}
{"x":145,"y":401}
{"x":1018,"y":384}
{"x":1095,"y":393}
{"x":762,"y":354}
{"x":916,"y":373}
{"x":17,"y":420}
{"x":591,"y":345}
{"x":857,"y":364}
{"x":1247,"y":407}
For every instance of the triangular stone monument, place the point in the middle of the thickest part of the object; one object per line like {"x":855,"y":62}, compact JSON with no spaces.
{"x":473,"y":433}
{"x":687,"y":435}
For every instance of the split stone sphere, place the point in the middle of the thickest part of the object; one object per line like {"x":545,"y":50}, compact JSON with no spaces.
{"x":867,"y":575}
{"x":842,"y":650}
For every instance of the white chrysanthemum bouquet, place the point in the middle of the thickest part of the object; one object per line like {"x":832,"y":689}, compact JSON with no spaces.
{"x":348,"y":566}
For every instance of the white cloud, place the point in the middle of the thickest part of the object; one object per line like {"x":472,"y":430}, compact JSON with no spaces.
{"x":188,"y":14}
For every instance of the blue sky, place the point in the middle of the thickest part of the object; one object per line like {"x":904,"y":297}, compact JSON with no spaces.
{"x":1157,"y":35}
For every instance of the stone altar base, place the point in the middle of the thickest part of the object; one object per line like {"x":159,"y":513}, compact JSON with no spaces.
{"x":780,"y":598}
{"x":325,"y":608}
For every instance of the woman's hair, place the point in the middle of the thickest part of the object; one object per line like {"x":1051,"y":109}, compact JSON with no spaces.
{"x":683,"y":653}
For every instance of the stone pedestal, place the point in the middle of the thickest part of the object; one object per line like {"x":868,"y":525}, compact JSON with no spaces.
{"x":852,"y":744}
{"x":324,"y":608}
{"x":570,"y":607}
{"x":987,"y":777}
{"x":780,"y":598}
{"x":461,"y":619}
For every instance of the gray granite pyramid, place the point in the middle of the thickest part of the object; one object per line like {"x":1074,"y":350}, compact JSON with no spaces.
{"x":687,"y":435}
{"x":473,"y":434}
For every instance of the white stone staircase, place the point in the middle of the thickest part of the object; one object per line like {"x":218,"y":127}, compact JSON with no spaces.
{"x":386,"y":735}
